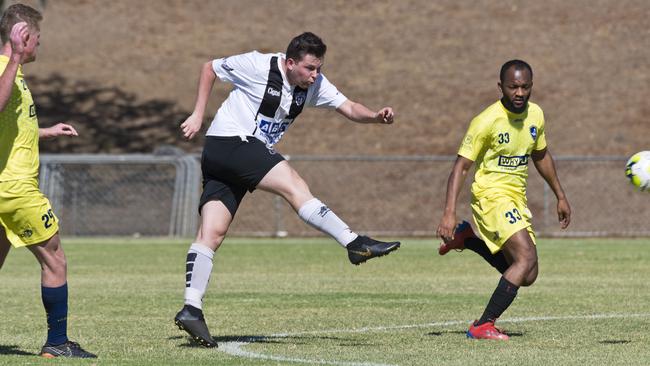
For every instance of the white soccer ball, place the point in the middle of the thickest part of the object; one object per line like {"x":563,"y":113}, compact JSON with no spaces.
{"x":638,"y":170}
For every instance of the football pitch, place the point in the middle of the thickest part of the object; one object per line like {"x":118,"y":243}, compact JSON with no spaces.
{"x":300,"y":302}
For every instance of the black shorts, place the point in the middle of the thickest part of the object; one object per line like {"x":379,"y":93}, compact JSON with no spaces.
{"x":232,"y":166}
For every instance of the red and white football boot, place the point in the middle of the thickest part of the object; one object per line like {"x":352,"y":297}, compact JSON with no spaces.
{"x":486,"y":331}
{"x":463,"y":231}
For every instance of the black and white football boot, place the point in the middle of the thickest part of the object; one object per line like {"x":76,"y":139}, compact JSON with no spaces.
{"x":191,"y":320}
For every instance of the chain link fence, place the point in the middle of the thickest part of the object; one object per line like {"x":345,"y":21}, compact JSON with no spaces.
{"x":105,"y":195}
{"x":155,"y":195}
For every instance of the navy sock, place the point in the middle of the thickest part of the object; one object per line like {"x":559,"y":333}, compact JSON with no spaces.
{"x":55,"y":301}
{"x":501,"y":299}
{"x":496,"y":260}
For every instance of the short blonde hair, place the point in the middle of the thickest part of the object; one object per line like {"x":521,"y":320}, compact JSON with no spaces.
{"x":15,"y":14}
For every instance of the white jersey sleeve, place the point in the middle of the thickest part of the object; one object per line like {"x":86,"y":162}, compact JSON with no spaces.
{"x":239,"y":69}
{"x":325,"y":94}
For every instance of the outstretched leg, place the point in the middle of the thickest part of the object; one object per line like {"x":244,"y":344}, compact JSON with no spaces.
{"x":283,"y":180}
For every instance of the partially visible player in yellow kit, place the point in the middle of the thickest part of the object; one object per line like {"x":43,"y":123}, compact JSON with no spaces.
{"x":501,"y":140}
{"x":26,"y":216}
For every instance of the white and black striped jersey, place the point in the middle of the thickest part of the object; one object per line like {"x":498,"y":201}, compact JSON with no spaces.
{"x":262,"y":103}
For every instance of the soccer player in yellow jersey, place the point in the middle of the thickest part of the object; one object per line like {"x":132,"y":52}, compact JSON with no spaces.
{"x":501,"y":140}
{"x":26,"y":216}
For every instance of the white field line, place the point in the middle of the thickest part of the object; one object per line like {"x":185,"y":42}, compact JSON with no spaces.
{"x":236,"y":348}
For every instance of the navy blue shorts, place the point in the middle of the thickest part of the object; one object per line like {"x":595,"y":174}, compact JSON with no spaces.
{"x":231,"y":166}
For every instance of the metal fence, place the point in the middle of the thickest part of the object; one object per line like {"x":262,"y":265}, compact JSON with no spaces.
{"x":123,"y":194}
{"x":380,"y":195}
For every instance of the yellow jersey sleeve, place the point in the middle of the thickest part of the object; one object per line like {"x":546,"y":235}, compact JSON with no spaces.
{"x":475,"y":139}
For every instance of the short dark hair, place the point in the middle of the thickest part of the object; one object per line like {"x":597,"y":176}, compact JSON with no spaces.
{"x":15,"y":14}
{"x":518,"y":65}
{"x":306,"y":44}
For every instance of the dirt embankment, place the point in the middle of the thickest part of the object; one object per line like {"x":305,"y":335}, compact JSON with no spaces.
{"x":125,"y":71}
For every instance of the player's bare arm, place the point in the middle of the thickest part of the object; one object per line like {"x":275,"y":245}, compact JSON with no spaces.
{"x":357,"y":112}
{"x":546,"y":168}
{"x":14,"y":50}
{"x":454,"y":183}
{"x":59,"y":129}
{"x":192,"y":124}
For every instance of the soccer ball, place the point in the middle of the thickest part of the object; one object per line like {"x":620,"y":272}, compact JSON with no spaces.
{"x":638,"y":170}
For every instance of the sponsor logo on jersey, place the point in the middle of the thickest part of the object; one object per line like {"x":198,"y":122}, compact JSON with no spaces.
{"x":272,"y":128}
{"x":273,"y":92}
{"x":513,"y":161}
{"x":533,"y":132}
{"x":225,"y":66}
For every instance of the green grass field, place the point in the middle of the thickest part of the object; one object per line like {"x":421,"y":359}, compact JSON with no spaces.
{"x":299,"y":302}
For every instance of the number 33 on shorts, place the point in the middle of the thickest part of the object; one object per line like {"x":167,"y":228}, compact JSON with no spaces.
{"x":514,"y":215}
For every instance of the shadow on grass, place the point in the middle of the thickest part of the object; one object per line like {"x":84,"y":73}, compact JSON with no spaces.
{"x":14,"y":350}
{"x":615,"y":341}
{"x":464,"y":332}
{"x":298,"y":340}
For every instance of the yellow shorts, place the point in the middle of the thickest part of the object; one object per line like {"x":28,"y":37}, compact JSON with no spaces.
{"x":25,"y":213}
{"x":498,"y":218}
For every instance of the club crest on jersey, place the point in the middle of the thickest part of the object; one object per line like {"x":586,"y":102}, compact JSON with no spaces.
{"x":27,"y":233}
{"x":300,"y":99}
{"x":273,"y":92}
{"x":533,"y":132}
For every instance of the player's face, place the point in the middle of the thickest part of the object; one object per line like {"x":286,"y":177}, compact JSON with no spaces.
{"x":516,"y":87}
{"x":31,"y":45}
{"x":304,"y":72}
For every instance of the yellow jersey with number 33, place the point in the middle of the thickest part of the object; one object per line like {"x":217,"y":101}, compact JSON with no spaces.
{"x":18,"y":132}
{"x":500,"y":143}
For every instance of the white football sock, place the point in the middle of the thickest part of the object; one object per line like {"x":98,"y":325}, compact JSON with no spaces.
{"x":319,"y":216}
{"x":197,"y":274}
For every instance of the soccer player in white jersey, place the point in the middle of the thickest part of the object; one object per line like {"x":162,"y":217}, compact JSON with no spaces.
{"x":501,"y":140}
{"x":269,"y":92}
